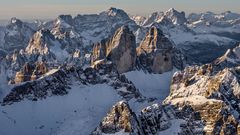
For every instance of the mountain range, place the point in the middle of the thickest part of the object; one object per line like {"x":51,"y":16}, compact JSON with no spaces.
{"x":113,"y":73}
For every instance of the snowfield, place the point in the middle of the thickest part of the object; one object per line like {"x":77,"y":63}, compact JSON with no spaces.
{"x":155,"y":86}
{"x":151,"y":85}
{"x":78,"y":112}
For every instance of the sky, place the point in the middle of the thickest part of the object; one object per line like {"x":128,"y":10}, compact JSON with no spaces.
{"x":46,"y":9}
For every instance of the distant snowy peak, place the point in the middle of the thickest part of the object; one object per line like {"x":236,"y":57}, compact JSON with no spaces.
{"x":95,"y":27}
{"x":170,"y":16}
{"x":16,"y":34}
{"x":114,"y":12}
{"x":64,"y":21}
{"x":224,"y":19}
{"x":138,"y":19}
{"x":15,"y":21}
{"x":154,"y":17}
{"x":64,"y":27}
{"x":177,"y":18}
{"x":210,"y":16}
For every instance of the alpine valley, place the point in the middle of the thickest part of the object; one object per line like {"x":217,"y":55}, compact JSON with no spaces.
{"x":116,"y":74}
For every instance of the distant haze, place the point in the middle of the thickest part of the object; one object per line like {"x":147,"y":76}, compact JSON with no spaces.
{"x":45,"y":9}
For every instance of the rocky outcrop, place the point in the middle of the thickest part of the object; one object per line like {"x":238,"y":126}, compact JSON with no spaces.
{"x":213,"y":91}
{"x":57,"y":82}
{"x":120,"y":49}
{"x":45,"y":44}
{"x":30,"y":72}
{"x":99,"y":52}
{"x":40,"y":42}
{"x":152,"y":120}
{"x":155,"y":52}
{"x":119,"y":119}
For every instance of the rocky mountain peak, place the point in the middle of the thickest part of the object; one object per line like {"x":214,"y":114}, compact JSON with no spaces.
{"x":66,"y":18}
{"x":171,"y":11}
{"x":16,"y":35}
{"x":175,"y":16}
{"x":63,"y":26}
{"x":64,"y":21}
{"x":120,"y":118}
{"x":138,"y":19}
{"x":15,"y":21}
{"x":154,"y":17}
{"x":40,"y":42}
{"x":120,"y":49}
{"x":155,"y":51}
{"x":155,"y":40}
{"x":116,"y":12}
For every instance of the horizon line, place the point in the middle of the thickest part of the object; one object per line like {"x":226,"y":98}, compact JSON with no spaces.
{"x":54,"y":16}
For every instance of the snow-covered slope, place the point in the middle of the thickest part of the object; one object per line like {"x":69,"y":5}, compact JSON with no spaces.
{"x":78,"y":112}
{"x":64,"y":101}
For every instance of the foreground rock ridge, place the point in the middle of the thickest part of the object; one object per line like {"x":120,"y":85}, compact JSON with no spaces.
{"x":115,"y":74}
{"x":202,"y":100}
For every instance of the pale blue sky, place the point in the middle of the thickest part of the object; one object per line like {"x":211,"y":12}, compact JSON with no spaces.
{"x":33,"y":9}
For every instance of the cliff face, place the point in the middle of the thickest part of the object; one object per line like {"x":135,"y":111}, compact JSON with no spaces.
{"x":120,"y":49}
{"x":213,"y":91}
{"x":120,"y":119}
{"x":30,"y":72}
{"x":155,"y":52}
{"x":40,"y":42}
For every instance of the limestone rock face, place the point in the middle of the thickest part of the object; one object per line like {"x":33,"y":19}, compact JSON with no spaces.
{"x":120,"y":49}
{"x":99,"y":52}
{"x":40,"y":42}
{"x":44,"y":43}
{"x":211,"y":90}
{"x":30,"y":72}
{"x":155,"y":52}
{"x":120,"y":118}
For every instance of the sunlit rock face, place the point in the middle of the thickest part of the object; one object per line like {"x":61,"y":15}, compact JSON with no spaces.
{"x":99,"y":52}
{"x":30,"y":72}
{"x":40,"y":42}
{"x":211,"y":90}
{"x":120,"y":49}
{"x":119,"y":119}
{"x":155,"y":52}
